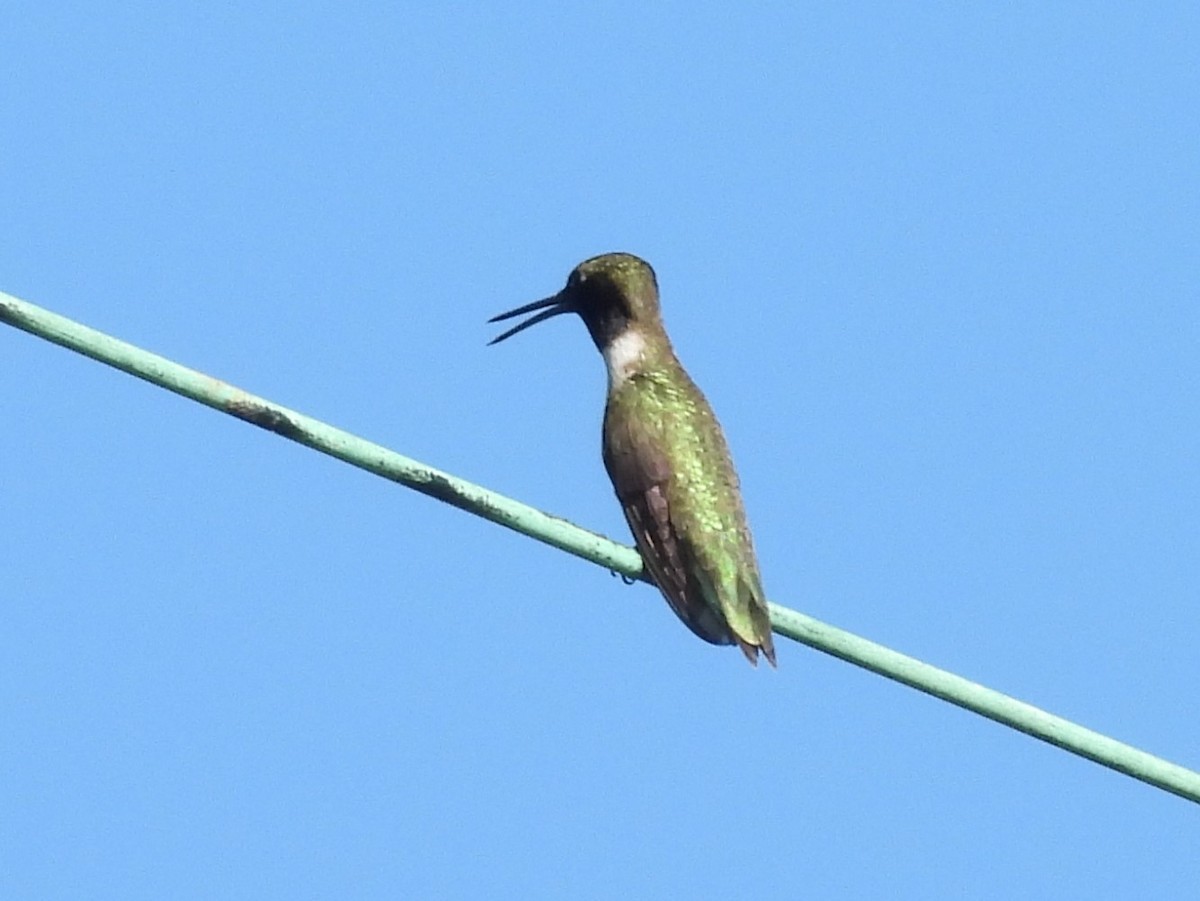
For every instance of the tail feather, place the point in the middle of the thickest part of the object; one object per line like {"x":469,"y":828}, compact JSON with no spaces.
{"x":751,"y":651}
{"x":754,"y":606}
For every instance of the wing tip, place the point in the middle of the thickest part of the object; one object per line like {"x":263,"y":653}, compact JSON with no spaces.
{"x":751,"y":650}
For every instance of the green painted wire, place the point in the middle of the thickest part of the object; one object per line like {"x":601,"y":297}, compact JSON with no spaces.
{"x":590,"y":546}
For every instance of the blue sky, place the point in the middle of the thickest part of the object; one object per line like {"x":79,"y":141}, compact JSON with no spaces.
{"x":936,"y":270}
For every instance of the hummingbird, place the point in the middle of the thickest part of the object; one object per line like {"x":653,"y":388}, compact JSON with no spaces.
{"x":665,"y":455}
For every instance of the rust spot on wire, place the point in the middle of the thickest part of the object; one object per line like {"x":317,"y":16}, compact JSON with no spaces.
{"x":265,"y":418}
{"x":444,"y":490}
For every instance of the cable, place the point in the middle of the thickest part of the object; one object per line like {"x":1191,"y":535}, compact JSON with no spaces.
{"x":589,"y":545}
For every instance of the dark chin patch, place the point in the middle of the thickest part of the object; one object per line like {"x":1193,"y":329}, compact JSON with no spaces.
{"x":605,"y":324}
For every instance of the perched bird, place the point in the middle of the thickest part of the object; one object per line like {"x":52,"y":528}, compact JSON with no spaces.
{"x":666,"y":456}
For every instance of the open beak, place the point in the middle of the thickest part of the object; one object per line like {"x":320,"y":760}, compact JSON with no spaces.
{"x":550,"y":307}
